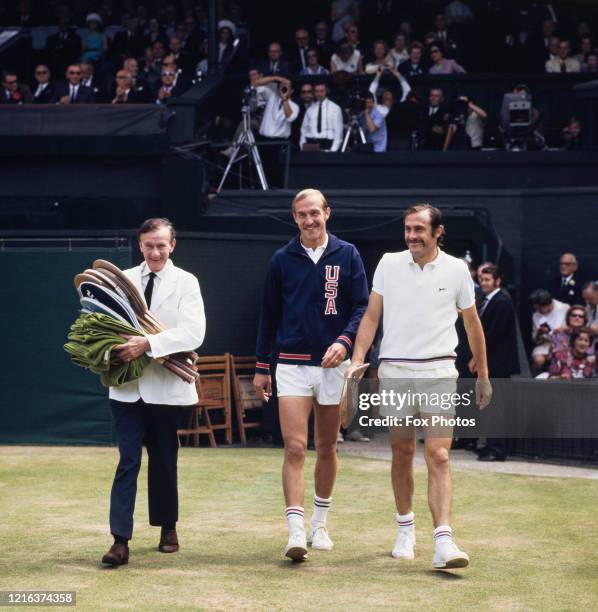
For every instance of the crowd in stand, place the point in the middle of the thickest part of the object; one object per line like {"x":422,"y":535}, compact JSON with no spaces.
{"x":565,"y":324}
{"x":136,"y":51}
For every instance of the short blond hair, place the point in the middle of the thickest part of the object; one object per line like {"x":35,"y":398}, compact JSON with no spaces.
{"x":306,"y":193}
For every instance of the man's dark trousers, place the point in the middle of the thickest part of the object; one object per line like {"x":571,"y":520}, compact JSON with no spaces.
{"x":135,"y":423}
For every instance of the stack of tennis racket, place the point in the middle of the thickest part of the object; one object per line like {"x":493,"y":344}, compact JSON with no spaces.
{"x":107,"y":290}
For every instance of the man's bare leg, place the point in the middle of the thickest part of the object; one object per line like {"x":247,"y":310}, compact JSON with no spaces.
{"x":327,"y":423}
{"x":436,"y":451}
{"x":294,"y":419}
{"x":403,"y":451}
{"x":402,"y":442}
{"x":437,"y":448}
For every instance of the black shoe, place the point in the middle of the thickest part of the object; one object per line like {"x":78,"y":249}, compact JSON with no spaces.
{"x":117,"y":555}
{"x":169,"y":542}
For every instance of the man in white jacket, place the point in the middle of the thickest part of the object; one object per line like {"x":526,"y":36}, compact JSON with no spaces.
{"x":149,"y":408}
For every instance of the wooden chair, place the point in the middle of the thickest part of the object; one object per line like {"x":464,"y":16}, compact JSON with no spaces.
{"x":246,"y":399}
{"x":194,"y":427}
{"x":213,"y":389}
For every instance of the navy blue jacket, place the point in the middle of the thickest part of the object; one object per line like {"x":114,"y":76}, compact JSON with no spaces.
{"x":306,"y":306}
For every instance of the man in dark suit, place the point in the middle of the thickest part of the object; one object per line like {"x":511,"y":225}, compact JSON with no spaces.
{"x":306,"y":99}
{"x":89,"y":79}
{"x":72,"y":92}
{"x":63,"y":48}
{"x":125,"y":91}
{"x":497,"y":314}
{"x":415,"y":65}
{"x":322,"y":43}
{"x":182,"y":59}
{"x":445,"y":37}
{"x":128,"y":44}
{"x":276,"y":65}
{"x":298,"y":53}
{"x":14,"y":92}
{"x":567,"y":286}
{"x":170,"y":86}
{"x":43,"y":90}
{"x":433,"y":122}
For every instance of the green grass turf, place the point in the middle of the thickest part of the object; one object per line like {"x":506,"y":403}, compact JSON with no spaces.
{"x":532,"y":541}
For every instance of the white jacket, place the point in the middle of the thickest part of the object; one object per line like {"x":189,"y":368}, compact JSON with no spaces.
{"x":178,"y":304}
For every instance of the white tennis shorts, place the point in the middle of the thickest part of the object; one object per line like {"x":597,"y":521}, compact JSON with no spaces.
{"x":422,"y":391}
{"x":323,"y":384}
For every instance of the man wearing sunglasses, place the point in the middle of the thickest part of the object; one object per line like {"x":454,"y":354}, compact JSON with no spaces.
{"x":306,"y":99}
{"x":14,"y":92}
{"x":168,"y":87}
{"x":43,"y":89}
{"x":72,"y":91}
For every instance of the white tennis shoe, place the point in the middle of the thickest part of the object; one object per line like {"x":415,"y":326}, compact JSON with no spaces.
{"x":296,"y":548}
{"x":320,"y":540}
{"x":448,"y":556}
{"x":403,"y":548}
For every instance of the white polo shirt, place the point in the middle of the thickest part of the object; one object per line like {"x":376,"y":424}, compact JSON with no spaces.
{"x":420,"y":308}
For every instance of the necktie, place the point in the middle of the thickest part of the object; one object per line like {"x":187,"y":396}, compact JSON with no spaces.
{"x":563,"y":67}
{"x":319,"y":124}
{"x":563,"y":281}
{"x":149,"y":288}
{"x":484,"y":306}
{"x":73,"y":94}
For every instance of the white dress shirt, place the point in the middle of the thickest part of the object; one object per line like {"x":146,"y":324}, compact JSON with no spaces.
{"x":332,"y":124}
{"x":40,"y":89}
{"x":275,"y":123}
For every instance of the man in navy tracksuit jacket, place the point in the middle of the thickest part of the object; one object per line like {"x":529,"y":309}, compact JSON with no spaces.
{"x":314,"y":297}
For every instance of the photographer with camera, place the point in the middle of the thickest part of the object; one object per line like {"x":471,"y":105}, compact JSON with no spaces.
{"x":373,"y":122}
{"x":381,"y":58}
{"x":323,"y":122}
{"x":279,"y":113}
{"x":465,"y":126}
{"x":549,"y":315}
{"x":254,"y":100}
{"x":399,"y":114}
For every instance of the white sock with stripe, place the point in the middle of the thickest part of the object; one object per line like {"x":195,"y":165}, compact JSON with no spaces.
{"x":321,"y":507}
{"x":443,"y":533}
{"x":295,"y":516}
{"x":406,"y":522}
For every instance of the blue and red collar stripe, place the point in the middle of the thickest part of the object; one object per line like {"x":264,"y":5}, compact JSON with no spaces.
{"x":294,"y":357}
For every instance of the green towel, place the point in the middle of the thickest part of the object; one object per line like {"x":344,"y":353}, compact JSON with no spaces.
{"x":91,"y":340}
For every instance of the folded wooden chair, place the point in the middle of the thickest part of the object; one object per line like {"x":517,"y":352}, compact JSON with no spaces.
{"x":214,"y":391}
{"x":194,"y":427}
{"x":248,"y":404}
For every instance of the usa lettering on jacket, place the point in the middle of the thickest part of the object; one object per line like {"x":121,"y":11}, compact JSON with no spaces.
{"x":331,"y":289}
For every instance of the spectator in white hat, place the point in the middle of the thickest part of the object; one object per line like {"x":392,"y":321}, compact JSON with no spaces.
{"x":226,"y":35}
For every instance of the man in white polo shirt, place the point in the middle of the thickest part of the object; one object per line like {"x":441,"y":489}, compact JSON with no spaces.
{"x":279,"y":113}
{"x":419,"y":293}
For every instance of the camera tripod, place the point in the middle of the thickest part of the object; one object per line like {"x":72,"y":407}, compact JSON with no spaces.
{"x":245,"y":141}
{"x":352,"y":131}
